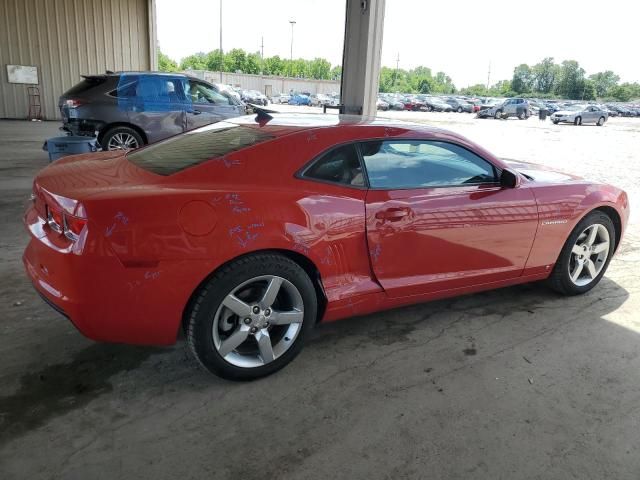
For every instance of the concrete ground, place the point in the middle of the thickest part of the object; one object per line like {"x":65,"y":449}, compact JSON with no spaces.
{"x":517,"y":383}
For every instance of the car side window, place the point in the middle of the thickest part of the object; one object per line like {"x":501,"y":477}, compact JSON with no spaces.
{"x":203,"y":94}
{"x":340,"y":165}
{"x":423,"y":164}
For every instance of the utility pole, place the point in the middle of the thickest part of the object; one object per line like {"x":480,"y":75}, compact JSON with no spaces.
{"x":262,"y":55}
{"x":397,"y":65}
{"x":292,"y":22}
{"x":488,"y":77}
{"x":221,"y":54}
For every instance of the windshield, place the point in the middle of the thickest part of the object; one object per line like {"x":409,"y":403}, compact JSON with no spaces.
{"x":575,"y":108}
{"x":192,"y":148}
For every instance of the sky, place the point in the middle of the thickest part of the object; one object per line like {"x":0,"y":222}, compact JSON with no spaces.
{"x":459,"y":37}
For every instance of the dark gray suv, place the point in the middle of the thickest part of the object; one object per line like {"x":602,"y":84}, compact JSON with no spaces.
{"x":130,"y":109}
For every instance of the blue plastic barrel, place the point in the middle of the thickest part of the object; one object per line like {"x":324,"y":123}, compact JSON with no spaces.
{"x":69,"y":145}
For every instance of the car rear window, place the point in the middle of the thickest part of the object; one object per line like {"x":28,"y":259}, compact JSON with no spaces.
{"x":192,"y":148}
{"x":86,"y":84}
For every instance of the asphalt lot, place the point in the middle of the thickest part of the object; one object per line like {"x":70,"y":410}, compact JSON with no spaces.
{"x":517,"y":383}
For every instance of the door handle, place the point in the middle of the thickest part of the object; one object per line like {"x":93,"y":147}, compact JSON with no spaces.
{"x":393,"y":214}
{"x":195,"y":112}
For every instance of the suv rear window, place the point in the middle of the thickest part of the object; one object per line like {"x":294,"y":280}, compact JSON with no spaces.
{"x":192,"y":148}
{"x":86,"y":84}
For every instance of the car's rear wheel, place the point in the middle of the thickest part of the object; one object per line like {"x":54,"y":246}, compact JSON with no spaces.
{"x":601,"y":121}
{"x":522,"y":115}
{"x":121,"y":138}
{"x":251,"y":318}
{"x":585,"y":255}
{"x":578,"y":121}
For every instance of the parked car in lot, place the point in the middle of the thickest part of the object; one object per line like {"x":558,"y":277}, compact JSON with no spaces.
{"x":382,"y":105}
{"x":127,"y":110}
{"x":299,"y":99}
{"x":437,"y":104}
{"x":179,"y":236}
{"x":255,"y":97}
{"x":227,"y":89}
{"x":579,"y":114}
{"x":281,"y":98}
{"x":320,"y":99}
{"x":459,"y":105}
{"x":513,"y":107}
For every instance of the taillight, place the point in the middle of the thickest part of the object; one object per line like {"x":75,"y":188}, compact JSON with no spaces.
{"x":73,"y":103}
{"x":73,"y":226}
{"x":63,"y":223}
{"x":55,"y":219}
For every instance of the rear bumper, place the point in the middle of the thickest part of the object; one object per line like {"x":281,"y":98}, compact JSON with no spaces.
{"x":81,"y":127}
{"x":105,"y":300}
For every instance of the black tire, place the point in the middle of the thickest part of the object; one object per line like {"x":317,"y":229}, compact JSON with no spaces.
{"x":601,"y":121}
{"x":459,"y":110}
{"x":522,"y":115}
{"x":578,"y":121}
{"x":555,"y":122}
{"x":203,"y":309}
{"x":108,"y":136}
{"x":498,"y":114}
{"x":559,"y":279}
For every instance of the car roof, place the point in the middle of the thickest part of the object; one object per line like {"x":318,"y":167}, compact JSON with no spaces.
{"x":155,"y":74}
{"x":284,"y":123}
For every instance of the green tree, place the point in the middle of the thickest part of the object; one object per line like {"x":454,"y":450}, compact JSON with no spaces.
{"x":571,"y":81}
{"x":253,"y":64}
{"x":477,"y":90}
{"x":522,"y":81}
{"x":273,"y":66}
{"x":235,"y":60}
{"x":320,"y":68}
{"x":625,"y":92}
{"x":544,"y":75}
{"x":215,"y":61}
{"x":197,"y":61}
{"x":603,"y":82}
{"x":165,"y":64}
{"x":336,"y":73}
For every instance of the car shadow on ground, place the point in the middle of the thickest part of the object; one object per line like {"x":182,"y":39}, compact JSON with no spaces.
{"x":393,"y":326}
{"x":61,"y":388}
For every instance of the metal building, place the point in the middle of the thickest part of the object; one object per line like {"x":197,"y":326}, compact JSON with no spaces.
{"x":53,"y":42}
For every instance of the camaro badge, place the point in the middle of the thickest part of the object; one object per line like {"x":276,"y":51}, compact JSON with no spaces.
{"x":553,"y":222}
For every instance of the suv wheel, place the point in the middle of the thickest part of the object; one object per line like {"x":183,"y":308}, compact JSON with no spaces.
{"x":498,"y":114}
{"x":121,"y":138}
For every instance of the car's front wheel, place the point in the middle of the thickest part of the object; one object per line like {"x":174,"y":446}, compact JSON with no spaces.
{"x":578,"y":121}
{"x":601,"y":121}
{"x":251,"y":318}
{"x":585,"y":255}
{"x":498,"y":114}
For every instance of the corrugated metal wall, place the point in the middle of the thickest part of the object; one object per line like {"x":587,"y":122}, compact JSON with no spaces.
{"x":67,"y":38}
{"x":263,"y":83}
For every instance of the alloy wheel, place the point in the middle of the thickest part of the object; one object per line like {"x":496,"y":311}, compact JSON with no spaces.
{"x":122,"y":141}
{"x":589,"y":255}
{"x":258,"y":321}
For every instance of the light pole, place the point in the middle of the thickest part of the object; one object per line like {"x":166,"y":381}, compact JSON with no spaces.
{"x":292,"y":22}
{"x":221,"y":55}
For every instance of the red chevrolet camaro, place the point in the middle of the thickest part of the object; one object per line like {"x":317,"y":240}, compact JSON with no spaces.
{"x":248,"y":232}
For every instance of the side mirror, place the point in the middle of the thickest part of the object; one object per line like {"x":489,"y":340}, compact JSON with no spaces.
{"x":509,"y":179}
